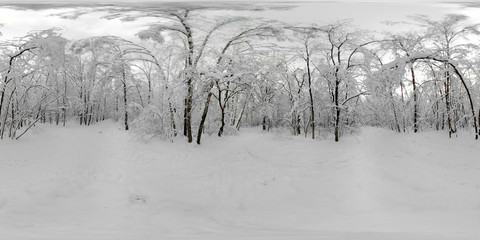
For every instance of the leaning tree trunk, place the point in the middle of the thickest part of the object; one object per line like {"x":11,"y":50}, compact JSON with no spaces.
{"x":397,"y":125}
{"x":6,"y":113}
{"x":469,"y":99}
{"x":2,"y":97}
{"x":460,"y":76}
{"x":125,"y":98}
{"x":309,"y":75}
{"x":204,"y":115}
{"x":10,"y":131}
{"x":241,"y":115}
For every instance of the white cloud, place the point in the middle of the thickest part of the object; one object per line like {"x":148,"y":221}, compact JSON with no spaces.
{"x":365,"y":14}
{"x":17,"y":23}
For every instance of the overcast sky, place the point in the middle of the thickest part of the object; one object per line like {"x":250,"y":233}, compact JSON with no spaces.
{"x":366,"y":14}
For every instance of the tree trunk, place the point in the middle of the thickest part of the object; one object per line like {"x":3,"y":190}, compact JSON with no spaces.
{"x":85,"y":107}
{"x":397,"y":125}
{"x":4,"y":124}
{"x":125,"y":97}
{"x":437,"y":124}
{"x":294,"y":122}
{"x":309,"y":76}
{"x":469,"y":99}
{"x":298,"y":124}
{"x":447,"y":100}
{"x":172,"y":118}
{"x":185,"y":118}
{"x":402,"y":89}
{"x":222,"y":106}
{"x":104,"y":107}
{"x":64,"y":109}
{"x":10,"y":131}
{"x":90,"y":115}
{"x":443,"y":114}
{"x":190,"y":68}
{"x":204,"y":115}
{"x":415,"y":113}
{"x":81,"y":111}
{"x":149,"y":99}
{"x":241,"y":115}
{"x":188,"y":110}
{"x":220,"y":131}
{"x":2,"y":97}
{"x":8,"y":103}
{"x":116,"y":107}
{"x":233,"y":118}
{"x":337,"y":107}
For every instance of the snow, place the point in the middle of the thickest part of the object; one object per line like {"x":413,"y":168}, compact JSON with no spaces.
{"x":100,"y":182}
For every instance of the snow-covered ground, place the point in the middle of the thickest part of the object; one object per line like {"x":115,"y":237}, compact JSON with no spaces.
{"x":100,"y":182}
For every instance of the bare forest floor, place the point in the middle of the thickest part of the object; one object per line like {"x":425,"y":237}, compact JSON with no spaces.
{"x":100,"y":182}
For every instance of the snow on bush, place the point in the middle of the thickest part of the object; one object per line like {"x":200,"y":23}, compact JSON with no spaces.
{"x":150,"y":124}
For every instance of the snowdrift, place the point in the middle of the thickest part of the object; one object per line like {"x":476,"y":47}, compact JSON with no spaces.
{"x":99,"y":182}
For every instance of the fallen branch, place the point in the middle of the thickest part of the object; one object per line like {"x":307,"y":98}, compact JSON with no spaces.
{"x":29,"y":126}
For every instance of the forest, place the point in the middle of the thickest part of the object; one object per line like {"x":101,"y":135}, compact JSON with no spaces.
{"x":191,"y":74}
{"x":227,"y":121}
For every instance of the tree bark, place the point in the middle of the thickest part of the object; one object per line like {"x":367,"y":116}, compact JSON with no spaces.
{"x":188,"y":111}
{"x":2,"y":97}
{"x":10,"y":131}
{"x":241,"y":115}
{"x":447,"y":100}
{"x":64,"y":109}
{"x":309,"y":76}
{"x":415,"y":111}
{"x":185,"y":117}
{"x":6,"y":114}
{"x":190,"y":66}
{"x":125,"y":103}
{"x":222,"y":107}
{"x":204,"y":115}
{"x":337,"y":108}
{"x":172,"y":118}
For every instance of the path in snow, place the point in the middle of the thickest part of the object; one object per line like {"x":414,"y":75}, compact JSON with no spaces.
{"x":99,"y":182}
